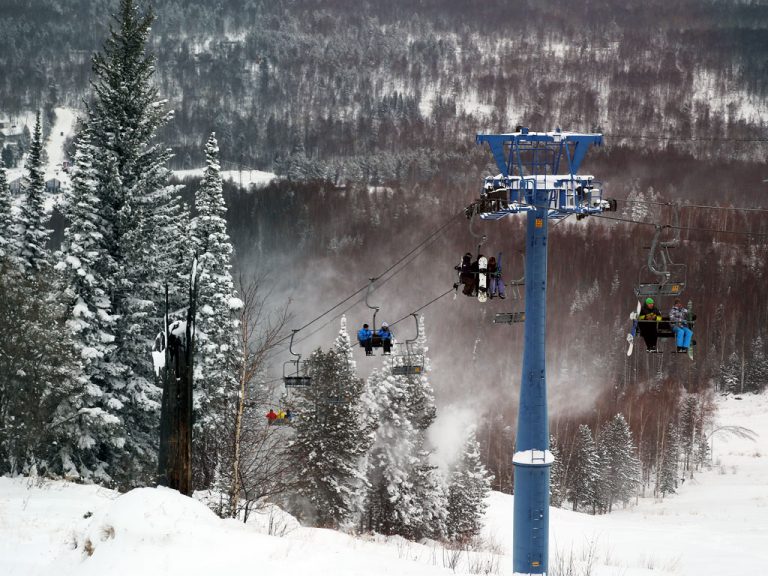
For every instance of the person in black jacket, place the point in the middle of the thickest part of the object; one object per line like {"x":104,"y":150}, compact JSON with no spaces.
{"x":649,"y":324}
{"x":467,"y":276}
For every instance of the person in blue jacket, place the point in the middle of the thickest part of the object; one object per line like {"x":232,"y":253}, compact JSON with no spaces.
{"x":365,"y":337}
{"x":386,"y":337}
{"x":678,"y":319}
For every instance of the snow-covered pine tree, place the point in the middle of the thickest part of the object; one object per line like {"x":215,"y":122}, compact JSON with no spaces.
{"x":468,"y":488}
{"x":420,"y":402}
{"x":343,"y":346}
{"x":729,"y":376}
{"x":429,"y":499}
{"x":391,"y":459}
{"x":332,"y":437}
{"x":667,"y":479}
{"x":581,"y":487}
{"x":556,"y":475}
{"x":9,"y":243}
{"x":757,"y":371}
{"x":406,"y":495}
{"x":39,"y":377}
{"x":687,"y":435}
{"x":35,"y":254}
{"x":83,"y":260}
{"x":619,"y":467}
{"x":701,"y":458}
{"x":6,"y":229}
{"x":143,"y":224}
{"x":216,"y":385}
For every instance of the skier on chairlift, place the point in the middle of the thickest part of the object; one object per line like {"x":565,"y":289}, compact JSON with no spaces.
{"x":365,"y":338}
{"x":649,"y":320}
{"x":386,"y":338}
{"x":496,"y":282}
{"x":467,"y":276}
{"x":678,"y":319}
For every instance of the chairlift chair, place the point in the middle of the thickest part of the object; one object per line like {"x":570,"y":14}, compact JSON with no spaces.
{"x":297,"y":375}
{"x":661,"y":276}
{"x":406,"y":363}
{"x":376,"y":340}
{"x":516,"y":316}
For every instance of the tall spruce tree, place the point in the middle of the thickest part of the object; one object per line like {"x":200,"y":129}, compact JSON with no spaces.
{"x":92,"y":325}
{"x":429,"y":499}
{"x":688,"y":431}
{"x":670,"y":457}
{"x":35,"y":254}
{"x":406,"y":496}
{"x":468,"y":488}
{"x":619,"y":467}
{"x":581,"y":487}
{"x":389,"y":502}
{"x":39,"y":376}
{"x":556,"y":474}
{"x":757,"y":371}
{"x":332,"y":437}
{"x":420,"y":403}
{"x":142,"y":226}
{"x":216,"y":385}
{"x":9,"y":244}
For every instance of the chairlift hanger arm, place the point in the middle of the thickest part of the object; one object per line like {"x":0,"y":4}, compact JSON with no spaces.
{"x":367,"y":303}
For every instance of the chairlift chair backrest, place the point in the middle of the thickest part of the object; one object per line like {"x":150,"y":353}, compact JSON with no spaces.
{"x":408,"y":363}
{"x":297,"y":374}
{"x":661,"y":276}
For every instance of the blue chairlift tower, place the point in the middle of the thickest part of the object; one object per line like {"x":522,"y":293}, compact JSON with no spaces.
{"x":537,"y":176}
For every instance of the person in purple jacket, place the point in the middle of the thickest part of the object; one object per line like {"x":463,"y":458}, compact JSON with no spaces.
{"x":494,"y":273}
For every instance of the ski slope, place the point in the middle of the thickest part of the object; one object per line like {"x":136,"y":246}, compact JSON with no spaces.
{"x":716,"y":525}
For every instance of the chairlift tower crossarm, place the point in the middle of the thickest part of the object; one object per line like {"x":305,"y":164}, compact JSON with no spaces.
{"x":537,"y":176}
{"x":531,"y":163}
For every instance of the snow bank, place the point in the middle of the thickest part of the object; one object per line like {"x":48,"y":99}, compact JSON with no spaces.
{"x":717,"y":524}
{"x":87,"y":531}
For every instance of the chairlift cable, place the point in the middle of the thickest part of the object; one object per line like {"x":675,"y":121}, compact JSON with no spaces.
{"x":692,"y":229}
{"x":451,"y":289}
{"x":359,"y":300}
{"x":730,"y":208}
{"x":683,"y":138}
{"x":432,"y":236}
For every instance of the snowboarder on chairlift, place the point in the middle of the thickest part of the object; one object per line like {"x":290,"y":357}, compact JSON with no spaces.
{"x":386,"y":337}
{"x":649,"y":324}
{"x":271,"y":416}
{"x":678,"y":319}
{"x":496,"y":284}
{"x":365,"y":337}
{"x":466,"y":276}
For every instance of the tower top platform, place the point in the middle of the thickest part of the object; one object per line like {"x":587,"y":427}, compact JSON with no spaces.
{"x":525,"y":153}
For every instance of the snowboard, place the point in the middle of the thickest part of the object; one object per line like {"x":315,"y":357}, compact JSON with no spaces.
{"x":633,"y":332}
{"x":691,"y":317}
{"x":482,"y":279}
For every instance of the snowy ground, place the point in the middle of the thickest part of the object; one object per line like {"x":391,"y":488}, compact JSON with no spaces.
{"x":716,"y":525}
